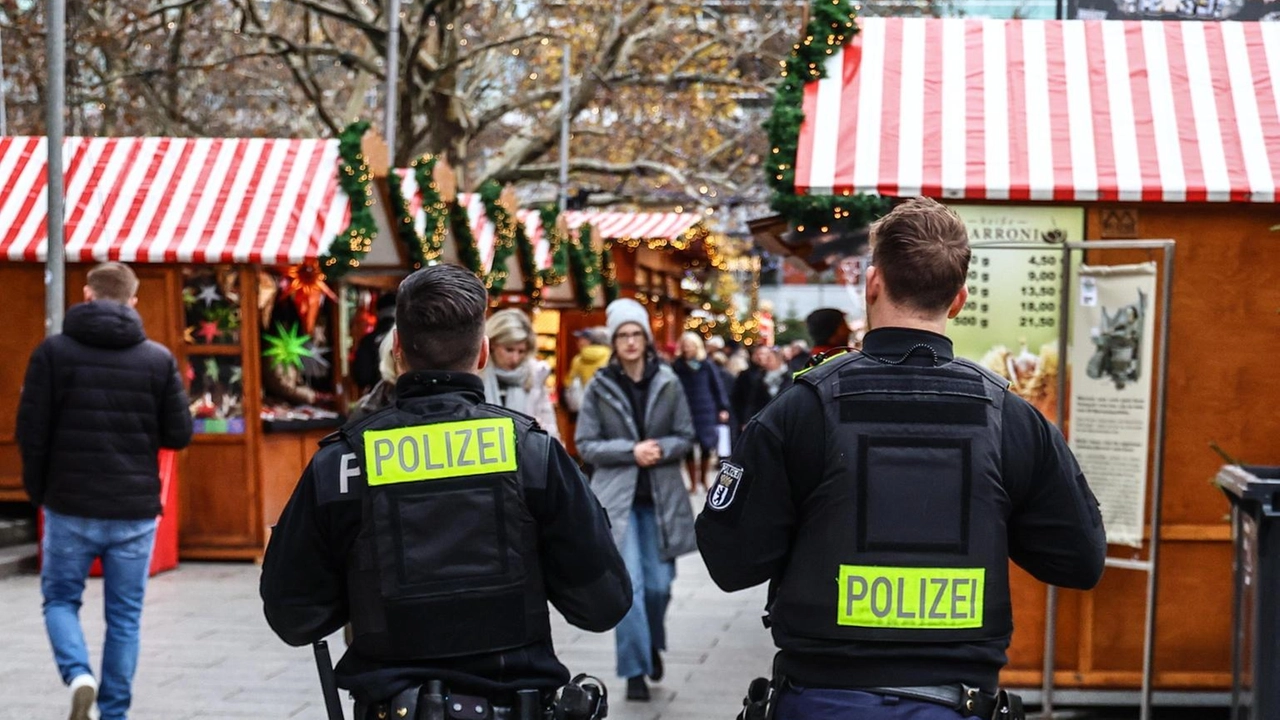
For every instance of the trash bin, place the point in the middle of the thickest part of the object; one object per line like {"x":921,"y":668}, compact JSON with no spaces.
{"x":1254,"y":493}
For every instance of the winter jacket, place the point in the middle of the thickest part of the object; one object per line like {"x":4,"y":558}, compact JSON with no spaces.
{"x":586,"y":363}
{"x":98,"y":403}
{"x":707,"y":397}
{"x":606,"y":438}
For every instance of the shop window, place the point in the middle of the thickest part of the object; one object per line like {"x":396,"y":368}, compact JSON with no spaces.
{"x":211,"y":305}
{"x":215,"y":385}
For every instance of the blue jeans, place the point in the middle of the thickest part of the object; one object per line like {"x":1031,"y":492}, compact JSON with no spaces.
{"x":70,"y":545}
{"x":643,"y":630}
{"x":797,"y":703}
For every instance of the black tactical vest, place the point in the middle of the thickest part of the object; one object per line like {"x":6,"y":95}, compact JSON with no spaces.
{"x":446,"y":563}
{"x":904,"y":539}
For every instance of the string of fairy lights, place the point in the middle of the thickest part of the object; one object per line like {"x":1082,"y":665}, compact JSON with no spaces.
{"x":574,"y":254}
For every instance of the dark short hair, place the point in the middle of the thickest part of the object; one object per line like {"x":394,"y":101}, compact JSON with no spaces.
{"x":922,"y":250}
{"x":823,"y":324}
{"x":113,"y":281}
{"x":440,"y":318}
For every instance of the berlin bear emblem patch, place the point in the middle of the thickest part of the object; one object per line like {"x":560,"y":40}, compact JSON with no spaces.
{"x":726,"y":487}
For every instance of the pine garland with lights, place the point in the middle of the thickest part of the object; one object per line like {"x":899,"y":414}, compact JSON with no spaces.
{"x":831,"y":26}
{"x":608,"y":272}
{"x":558,"y":245}
{"x":504,"y":236}
{"x":353,"y":243}
{"x":434,"y":208}
{"x":414,"y":243}
{"x":584,"y":267}
{"x":460,"y":224}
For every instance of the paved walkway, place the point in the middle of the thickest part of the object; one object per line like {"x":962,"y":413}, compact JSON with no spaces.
{"x":208,"y":653}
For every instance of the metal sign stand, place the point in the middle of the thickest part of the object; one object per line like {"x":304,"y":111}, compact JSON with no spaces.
{"x":1149,"y":565}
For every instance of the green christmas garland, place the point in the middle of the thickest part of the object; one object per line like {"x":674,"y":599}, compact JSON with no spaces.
{"x":351,"y":245}
{"x":504,"y":236}
{"x":608,"y":272}
{"x":407,"y":235}
{"x":460,"y":224}
{"x":434,"y":208}
{"x":831,"y":26}
{"x":557,"y":244}
{"x":584,"y":267}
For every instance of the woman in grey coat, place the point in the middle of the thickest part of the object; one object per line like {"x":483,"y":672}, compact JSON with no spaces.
{"x":635,"y":430}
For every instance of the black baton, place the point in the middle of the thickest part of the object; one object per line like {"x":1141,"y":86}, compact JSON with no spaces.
{"x":328,"y":683}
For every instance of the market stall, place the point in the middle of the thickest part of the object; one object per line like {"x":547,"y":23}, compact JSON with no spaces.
{"x":223,"y":235}
{"x":1045,"y":131}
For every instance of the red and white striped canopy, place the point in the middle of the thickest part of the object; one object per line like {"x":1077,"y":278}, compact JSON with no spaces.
{"x":175,"y":199}
{"x":1047,"y":110}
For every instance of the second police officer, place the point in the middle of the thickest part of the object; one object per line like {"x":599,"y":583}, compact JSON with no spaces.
{"x":440,"y":528}
{"x":882,"y":498}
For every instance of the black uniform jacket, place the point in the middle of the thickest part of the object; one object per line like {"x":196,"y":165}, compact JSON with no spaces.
{"x":1055,"y":530}
{"x":303,"y":583}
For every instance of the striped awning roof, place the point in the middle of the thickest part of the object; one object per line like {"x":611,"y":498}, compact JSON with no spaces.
{"x":175,"y":199}
{"x":1047,"y":110}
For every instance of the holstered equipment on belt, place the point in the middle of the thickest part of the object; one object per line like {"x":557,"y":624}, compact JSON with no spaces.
{"x":759,"y":703}
{"x":968,"y":701}
{"x":584,"y":698}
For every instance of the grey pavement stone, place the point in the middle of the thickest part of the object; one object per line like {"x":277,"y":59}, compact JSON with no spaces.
{"x":207,"y":651}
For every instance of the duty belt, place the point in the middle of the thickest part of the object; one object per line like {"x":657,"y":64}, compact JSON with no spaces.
{"x":968,"y":701}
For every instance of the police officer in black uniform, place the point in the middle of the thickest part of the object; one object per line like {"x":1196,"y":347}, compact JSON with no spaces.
{"x":439,"y":528}
{"x":886,"y":536}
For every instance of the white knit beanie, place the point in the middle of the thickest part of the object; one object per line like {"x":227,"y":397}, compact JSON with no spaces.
{"x":623,"y":311}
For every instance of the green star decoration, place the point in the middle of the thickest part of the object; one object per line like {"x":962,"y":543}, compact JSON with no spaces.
{"x":211,"y":369}
{"x":287,"y":346}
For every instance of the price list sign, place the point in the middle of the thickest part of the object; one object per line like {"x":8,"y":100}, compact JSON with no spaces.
{"x":1010,"y":323}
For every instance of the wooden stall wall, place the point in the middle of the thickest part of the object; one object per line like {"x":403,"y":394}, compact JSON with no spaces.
{"x":1222,"y":387}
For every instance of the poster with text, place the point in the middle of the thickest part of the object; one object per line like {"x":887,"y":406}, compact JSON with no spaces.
{"x":1113,"y":330}
{"x":1010,"y":323}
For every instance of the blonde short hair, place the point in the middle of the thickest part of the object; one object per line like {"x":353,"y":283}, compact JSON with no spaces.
{"x":698,"y":342}
{"x":511,"y":327}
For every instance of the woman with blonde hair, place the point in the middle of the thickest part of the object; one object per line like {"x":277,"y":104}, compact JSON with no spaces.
{"x":515,"y":378}
{"x":708,"y":403}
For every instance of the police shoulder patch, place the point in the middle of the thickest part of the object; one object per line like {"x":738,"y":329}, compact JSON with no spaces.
{"x":726,"y":487}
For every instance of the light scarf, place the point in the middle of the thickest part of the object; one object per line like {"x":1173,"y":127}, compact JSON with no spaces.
{"x":516,"y":383}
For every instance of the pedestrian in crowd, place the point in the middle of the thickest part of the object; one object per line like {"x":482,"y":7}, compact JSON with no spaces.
{"x":829,"y":331}
{"x":366,"y":367}
{"x":708,"y":404}
{"x":443,"y":542}
{"x":593,"y":354}
{"x":384,"y":393}
{"x":517,"y":379}
{"x":635,"y":429}
{"x":910,"y":477}
{"x":98,"y":402}
{"x":759,"y":384}
{"x":739,"y":361}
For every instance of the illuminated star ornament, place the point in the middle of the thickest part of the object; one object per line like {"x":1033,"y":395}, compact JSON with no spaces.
{"x":209,"y":294}
{"x":286,"y":346}
{"x":209,"y":331}
{"x":305,"y":284}
{"x":211,"y":370}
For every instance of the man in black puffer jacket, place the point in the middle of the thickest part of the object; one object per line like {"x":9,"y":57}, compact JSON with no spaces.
{"x":98,"y":403}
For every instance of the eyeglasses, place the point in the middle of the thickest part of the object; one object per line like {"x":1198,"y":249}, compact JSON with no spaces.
{"x":629,"y":336}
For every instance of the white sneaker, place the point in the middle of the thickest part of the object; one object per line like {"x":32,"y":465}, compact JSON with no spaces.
{"x":84,"y":693}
